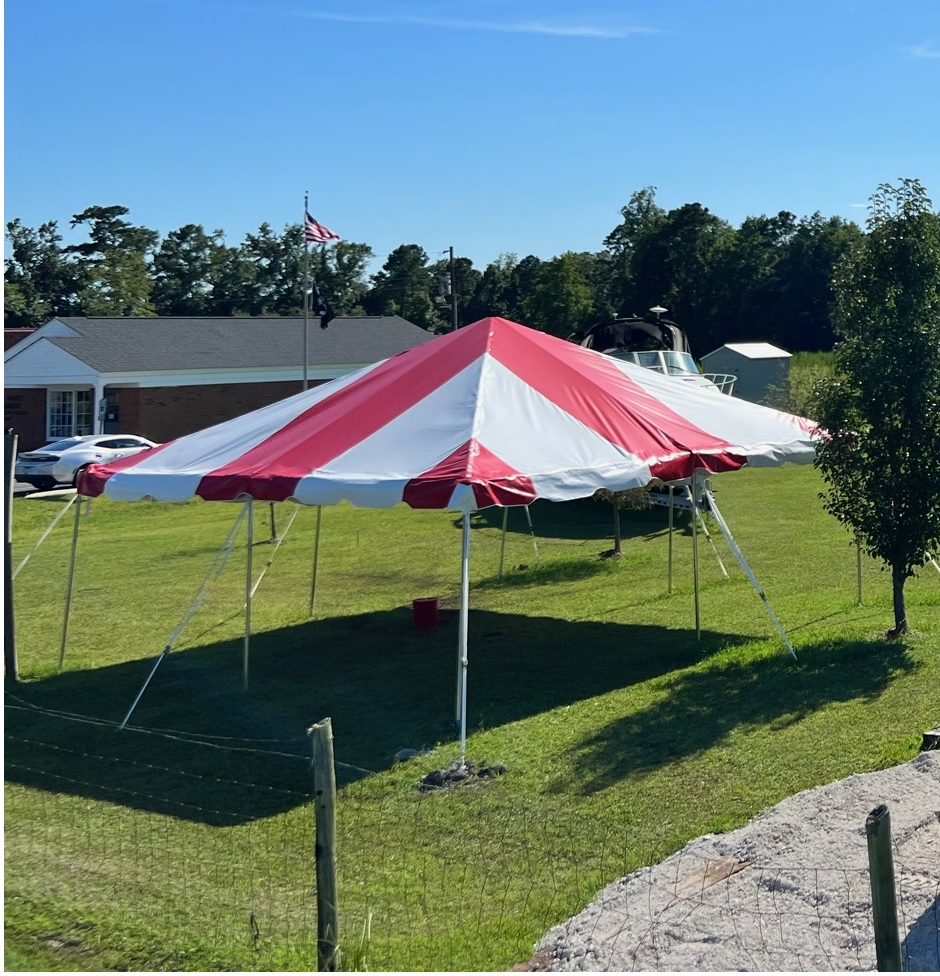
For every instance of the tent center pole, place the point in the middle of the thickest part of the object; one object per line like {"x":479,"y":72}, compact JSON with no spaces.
{"x":464,"y":627}
{"x":671,"y":519}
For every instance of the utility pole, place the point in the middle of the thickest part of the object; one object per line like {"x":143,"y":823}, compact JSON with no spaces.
{"x":453,"y":290}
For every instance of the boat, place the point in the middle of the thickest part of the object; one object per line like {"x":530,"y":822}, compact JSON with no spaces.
{"x":653,"y":343}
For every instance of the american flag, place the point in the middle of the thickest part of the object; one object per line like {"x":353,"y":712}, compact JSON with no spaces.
{"x":317,"y":233}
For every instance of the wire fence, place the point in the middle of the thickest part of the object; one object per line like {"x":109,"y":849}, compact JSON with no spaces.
{"x":154,"y":849}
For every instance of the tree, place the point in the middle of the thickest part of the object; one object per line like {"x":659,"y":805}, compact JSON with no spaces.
{"x":563,"y":300}
{"x":273,"y":263}
{"x":881,"y":409}
{"x":185,"y":268}
{"x":403,"y":287}
{"x":674,"y":266}
{"x":641,"y":216}
{"x":339,"y":271}
{"x":121,"y":285}
{"x":490,"y":296}
{"x":39,"y":282}
{"x":115,"y":273}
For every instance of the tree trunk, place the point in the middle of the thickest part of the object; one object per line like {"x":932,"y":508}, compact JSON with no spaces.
{"x":618,"y":541}
{"x":898,"y":579}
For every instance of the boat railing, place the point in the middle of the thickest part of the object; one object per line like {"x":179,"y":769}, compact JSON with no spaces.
{"x":724,"y":381}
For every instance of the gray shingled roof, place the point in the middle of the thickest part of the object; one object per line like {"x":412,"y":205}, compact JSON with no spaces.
{"x":119,"y":345}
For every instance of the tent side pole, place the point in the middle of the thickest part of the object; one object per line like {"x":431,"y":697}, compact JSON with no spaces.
{"x":729,"y":538}
{"x":248,"y":582}
{"x":858,"y":572}
{"x":671,"y":519}
{"x":698,"y":611}
{"x":464,"y":627}
{"x":316,"y":557}
{"x":502,"y":548}
{"x":68,"y":591}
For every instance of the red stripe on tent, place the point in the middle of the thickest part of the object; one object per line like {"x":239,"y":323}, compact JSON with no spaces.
{"x":601,"y":397}
{"x":686,"y":465}
{"x":92,"y":480}
{"x":492,"y":480}
{"x":270,"y":471}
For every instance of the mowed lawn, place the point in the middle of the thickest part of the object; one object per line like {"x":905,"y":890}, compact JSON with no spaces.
{"x":186,"y":841}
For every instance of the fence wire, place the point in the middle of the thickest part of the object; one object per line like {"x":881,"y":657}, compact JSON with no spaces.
{"x":170,"y":851}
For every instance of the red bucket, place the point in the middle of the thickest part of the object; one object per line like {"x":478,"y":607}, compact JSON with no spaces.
{"x":424,"y":612}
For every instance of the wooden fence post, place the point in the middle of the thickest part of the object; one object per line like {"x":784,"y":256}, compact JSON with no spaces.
{"x":324,"y":787}
{"x":10,"y":664}
{"x":883,"y":898}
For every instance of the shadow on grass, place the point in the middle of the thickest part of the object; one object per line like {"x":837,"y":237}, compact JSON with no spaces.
{"x":386,"y":686}
{"x":698,"y":709}
{"x":202,"y":749}
{"x":582,"y":518}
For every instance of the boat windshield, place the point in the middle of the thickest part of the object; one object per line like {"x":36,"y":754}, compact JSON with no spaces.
{"x":672,"y":363}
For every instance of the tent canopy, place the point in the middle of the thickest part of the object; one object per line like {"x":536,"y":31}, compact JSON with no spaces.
{"x":492,"y":414}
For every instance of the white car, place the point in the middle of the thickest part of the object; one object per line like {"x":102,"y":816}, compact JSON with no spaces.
{"x":58,"y":463}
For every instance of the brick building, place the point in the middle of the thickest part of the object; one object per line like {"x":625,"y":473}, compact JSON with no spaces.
{"x":165,"y":377}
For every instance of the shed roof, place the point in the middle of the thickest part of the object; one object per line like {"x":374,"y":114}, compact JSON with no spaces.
{"x":753,"y":350}
{"x":121,"y":344}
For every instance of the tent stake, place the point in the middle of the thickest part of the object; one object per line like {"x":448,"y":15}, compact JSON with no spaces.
{"x":68,"y":592}
{"x":462,"y":643}
{"x":502,"y":548}
{"x":729,"y":538}
{"x":316,"y":556}
{"x":248,"y":591}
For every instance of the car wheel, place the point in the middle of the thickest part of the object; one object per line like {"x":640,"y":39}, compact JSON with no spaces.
{"x":42,"y":484}
{"x":78,"y":471}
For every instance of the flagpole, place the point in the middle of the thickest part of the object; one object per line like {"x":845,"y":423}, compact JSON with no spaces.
{"x":306,"y":288}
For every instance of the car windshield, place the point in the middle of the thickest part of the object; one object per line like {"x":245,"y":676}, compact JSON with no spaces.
{"x":63,"y":445}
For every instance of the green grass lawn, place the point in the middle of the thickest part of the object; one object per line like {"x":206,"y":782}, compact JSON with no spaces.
{"x":186,"y":842}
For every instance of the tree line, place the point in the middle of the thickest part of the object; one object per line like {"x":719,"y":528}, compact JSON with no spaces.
{"x":768,"y":279}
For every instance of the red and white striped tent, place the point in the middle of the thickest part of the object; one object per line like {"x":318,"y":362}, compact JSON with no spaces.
{"x":492,"y":414}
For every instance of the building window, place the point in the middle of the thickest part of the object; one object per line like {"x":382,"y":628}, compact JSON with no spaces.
{"x":70,"y":413}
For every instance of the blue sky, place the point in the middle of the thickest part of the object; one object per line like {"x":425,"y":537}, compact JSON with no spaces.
{"x":491,"y":125}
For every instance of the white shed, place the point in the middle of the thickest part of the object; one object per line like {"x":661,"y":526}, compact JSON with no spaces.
{"x":763,"y":370}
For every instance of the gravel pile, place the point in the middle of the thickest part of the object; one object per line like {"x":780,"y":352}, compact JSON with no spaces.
{"x":789,"y":891}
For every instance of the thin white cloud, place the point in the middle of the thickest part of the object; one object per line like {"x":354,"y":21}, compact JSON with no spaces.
{"x":925,"y":50}
{"x":507,"y":27}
